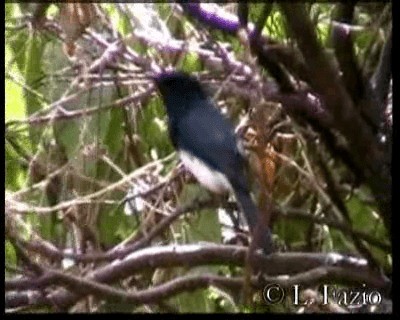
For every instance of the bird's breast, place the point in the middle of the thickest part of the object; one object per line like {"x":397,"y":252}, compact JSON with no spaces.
{"x":212,"y":179}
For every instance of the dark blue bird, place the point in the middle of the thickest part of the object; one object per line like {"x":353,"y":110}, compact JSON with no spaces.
{"x":206,"y":142}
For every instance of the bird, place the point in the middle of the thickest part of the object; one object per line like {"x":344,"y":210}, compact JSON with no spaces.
{"x":206,"y":142}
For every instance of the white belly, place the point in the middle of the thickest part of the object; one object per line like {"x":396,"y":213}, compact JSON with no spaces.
{"x":211,"y":179}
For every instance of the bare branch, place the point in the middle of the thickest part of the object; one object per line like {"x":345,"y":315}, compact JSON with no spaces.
{"x":332,"y":267}
{"x":343,"y":45}
{"x":381,"y":79}
{"x":326,"y":81}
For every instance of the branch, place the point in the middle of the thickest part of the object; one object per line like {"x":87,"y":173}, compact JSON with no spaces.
{"x":293,"y":213}
{"x":381,"y":79}
{"x":38,"y":245}
{"x":215,"y":17}
{"x":333,"y":193}
{"x":153,"y":295}
{"x":326,"y":81}
{"x":19,"y":299}
{"x":221,"y":20}
{"x":243,"y":12}
{"x":16,"y":206}
{"x":289,"y":57}
{"x":332,"y":267}
{"x":343,"y":45}
{"x":262,"y":19}
{"x":56,"y":115}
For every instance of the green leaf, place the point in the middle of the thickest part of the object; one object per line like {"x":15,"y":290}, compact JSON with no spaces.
{"x":191,"y":63}
{"x":292,"y":232}
{"x":152,"y":128}
{"x":15,"y":175}
{"x":10,"y":255}
{"x":115,"y":226}
{"x":114,"y":133}
{"x":33,"y":74}
{"x":196,"y":301}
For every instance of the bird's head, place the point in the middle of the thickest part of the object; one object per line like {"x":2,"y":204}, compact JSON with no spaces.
{"x":178,"y":85}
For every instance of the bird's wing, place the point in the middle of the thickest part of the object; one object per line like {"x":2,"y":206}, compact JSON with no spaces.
{"x":206,"y":134}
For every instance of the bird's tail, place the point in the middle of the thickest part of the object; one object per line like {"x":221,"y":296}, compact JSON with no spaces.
{"x":248,"y":207}
{"x":250,"y":211}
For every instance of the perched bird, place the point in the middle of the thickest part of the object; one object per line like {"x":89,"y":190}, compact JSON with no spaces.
{"x":206,"y":142}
